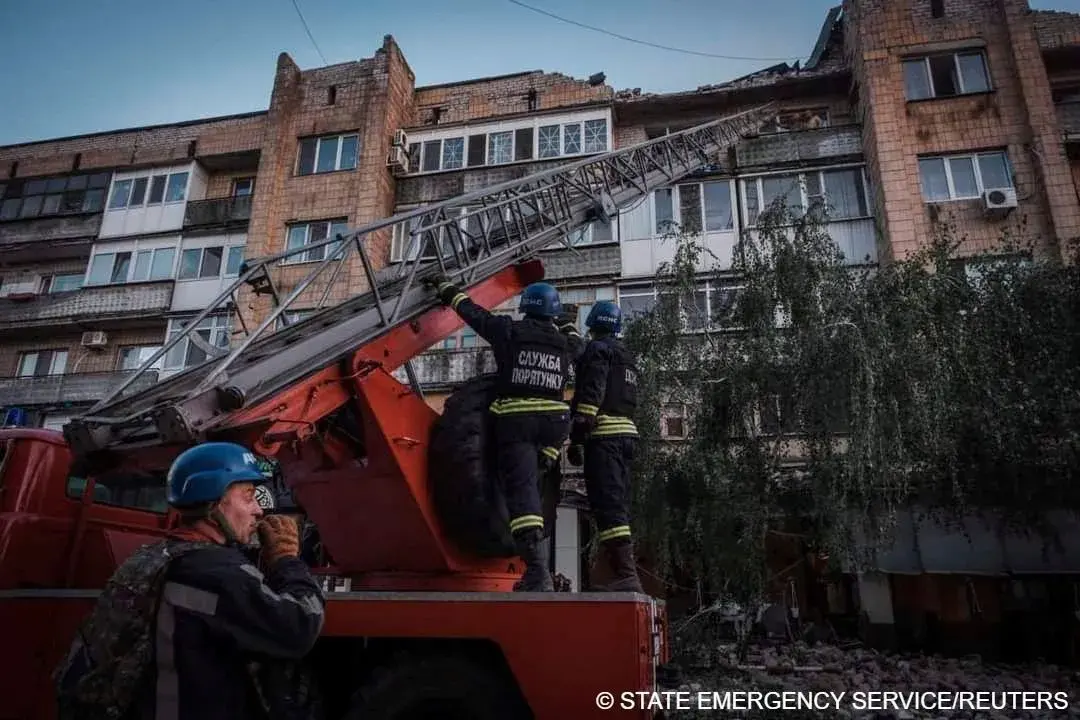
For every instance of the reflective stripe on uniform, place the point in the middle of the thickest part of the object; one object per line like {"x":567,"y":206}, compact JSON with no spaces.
{"x":589,"y":410}
{"x":613,"y":425}
{"x":618,"y":531}
{"x":457,"y":300}
{"x":526,"y":521}
{"x":550,"y":452}
{"x":505,"y":406}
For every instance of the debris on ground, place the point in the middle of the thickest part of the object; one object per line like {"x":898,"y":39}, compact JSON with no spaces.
{"x":863,"y":676}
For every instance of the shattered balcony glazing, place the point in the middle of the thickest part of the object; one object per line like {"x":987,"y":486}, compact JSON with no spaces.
{"x":800,"y":146}
{"x":74,"y":388}
{"x":89,"y":304}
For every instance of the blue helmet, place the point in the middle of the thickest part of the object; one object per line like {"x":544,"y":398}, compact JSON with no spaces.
{"x":203,"y":473}
{"x":540,"y":300}
{"x":605,"y":315}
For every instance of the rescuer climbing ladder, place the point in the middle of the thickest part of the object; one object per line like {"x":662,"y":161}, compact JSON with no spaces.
{"x":469,"y":237}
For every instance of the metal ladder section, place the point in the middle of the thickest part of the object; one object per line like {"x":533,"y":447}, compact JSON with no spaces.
{"x":471,"y":237}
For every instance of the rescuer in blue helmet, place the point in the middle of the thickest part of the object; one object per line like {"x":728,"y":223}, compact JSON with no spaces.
{"x":205,"y":609}
{"x":603,"y":437}
{"x":532,"y":420}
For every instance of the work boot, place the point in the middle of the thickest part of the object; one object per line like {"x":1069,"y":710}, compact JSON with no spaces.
{"x":533,"y":549}
{"x":620,"y":556}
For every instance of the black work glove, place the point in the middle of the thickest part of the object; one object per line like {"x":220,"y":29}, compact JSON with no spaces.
{"x":445,"y":289}
{"x":581,"y":427}
{"x":575,"y":455}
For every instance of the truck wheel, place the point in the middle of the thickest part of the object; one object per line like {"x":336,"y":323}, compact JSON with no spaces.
{"x":461,"y":470}
{"x":434,"y":687}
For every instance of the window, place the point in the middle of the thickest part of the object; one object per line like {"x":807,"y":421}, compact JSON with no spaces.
{"x":243,"y":186}
{"x":946,"y":75}
{"x":538,"y":139}
{"x":139,"y":265}
{"x":328,"y":154}
{"x":840,"y":193}
{"x":132,"y":357}
{"x":673,"y":422}
{"x":61,"y":283}
{"x":61,"y":195}
{"x":960,"y":177}
{"x":126,"y":489}
{"x":40,"y":363}
{"x":210,"y":334}
{"x":309,"y":234}
{"x":149,"y":190}
{"x":712,"y":306}
{"x":463,"y":339}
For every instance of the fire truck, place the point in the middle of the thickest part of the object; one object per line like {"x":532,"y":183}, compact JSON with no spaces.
{"x":400,"y":496}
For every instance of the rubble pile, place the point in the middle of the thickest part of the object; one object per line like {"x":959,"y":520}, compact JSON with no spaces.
{"x":853,"y":669}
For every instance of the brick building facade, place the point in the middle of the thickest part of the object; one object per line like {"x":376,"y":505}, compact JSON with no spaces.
{"x":907,"y":113}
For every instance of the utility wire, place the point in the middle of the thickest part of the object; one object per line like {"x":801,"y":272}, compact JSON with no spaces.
{"x":645,"y":42}
{"x":308,"y":31}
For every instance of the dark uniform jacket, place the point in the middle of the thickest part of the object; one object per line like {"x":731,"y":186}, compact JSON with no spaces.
{"x":606,"y":388}
{"x":218,"y":613}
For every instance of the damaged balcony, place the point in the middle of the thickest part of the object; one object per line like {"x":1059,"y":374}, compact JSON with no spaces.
{"x":442,"y":369}
{"x":1069,"y":117}
{"x":74,"y":388}
{"x":88,"y":306}
{"x":64,"y":237}
{"x":223,"y":212}
{"x":800,"y":146}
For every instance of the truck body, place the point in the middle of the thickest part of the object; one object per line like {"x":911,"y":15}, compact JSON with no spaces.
{"x":430,"y":622}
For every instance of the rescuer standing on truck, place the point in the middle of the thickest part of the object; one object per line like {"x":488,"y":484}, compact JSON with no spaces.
{"x":532,"y":420}
{"x":603,"y":437}
{"x":176,"y":630}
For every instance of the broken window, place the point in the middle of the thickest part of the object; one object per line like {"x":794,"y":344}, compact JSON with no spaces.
{"x":946,"y":75}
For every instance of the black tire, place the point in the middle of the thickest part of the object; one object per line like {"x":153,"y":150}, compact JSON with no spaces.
{"x":435,"y":687}
{"x":461,"y":470}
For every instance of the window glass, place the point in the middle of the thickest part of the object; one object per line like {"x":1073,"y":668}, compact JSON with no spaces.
{"x":177,"y":187}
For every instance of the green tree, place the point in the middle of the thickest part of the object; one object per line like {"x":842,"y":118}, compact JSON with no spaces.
{"x":913,"y":383}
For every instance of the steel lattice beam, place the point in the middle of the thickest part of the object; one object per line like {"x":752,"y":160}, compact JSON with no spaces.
{"x":470,"y":238}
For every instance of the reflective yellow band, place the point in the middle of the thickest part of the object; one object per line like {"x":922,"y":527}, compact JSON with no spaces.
{"x":589,"y":410}
{"x":608,"y":425}
{"x":505,"y":406}
{"x":550,"y":452}
{"x":457,"y":300}
{"x":619,"y":531}
{"x":526,"y":521}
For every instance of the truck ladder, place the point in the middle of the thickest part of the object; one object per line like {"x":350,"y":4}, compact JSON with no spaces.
{"x":472,"y":237}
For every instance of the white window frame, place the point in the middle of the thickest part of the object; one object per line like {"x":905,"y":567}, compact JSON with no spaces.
{"x":48,"y":282}
{"x":974,"y":157}
{"x":711,"y":287}
{"x":57,"y":362}
{"x":419,"y":140}
{"x":800,"y":175}
{"x":115,"y":191}
{"x":135,"y":249}
{"x":302,"y":258}
{"x":227,"y":253}
{"x":220,"y":327}
{"x":319,"y":139}
{"x":676,"y":206}
{"x":924,"y":61}
{"x":146,"y":351}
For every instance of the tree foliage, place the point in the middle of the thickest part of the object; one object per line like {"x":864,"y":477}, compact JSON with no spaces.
{"x":823,"y":397}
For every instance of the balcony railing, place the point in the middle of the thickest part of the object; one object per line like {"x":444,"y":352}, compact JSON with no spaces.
{"x":447,"y":368}
{"x":224,"y":212}
{"x":1069,"y":117}
{"x":90,"y":304}
{"x":75,"y":388}
{"x":800,"y":146}
{"x":49,"y":229}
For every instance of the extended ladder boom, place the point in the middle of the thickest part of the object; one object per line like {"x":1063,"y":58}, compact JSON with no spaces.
{"x":471,"y":237}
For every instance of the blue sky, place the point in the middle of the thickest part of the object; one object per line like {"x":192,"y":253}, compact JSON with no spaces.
{"x":79,"y":66}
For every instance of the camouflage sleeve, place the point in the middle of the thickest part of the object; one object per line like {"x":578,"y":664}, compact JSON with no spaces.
{"x":279,"y":615}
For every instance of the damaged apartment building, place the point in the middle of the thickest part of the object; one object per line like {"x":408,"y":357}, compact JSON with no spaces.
{"x":903,"y":113}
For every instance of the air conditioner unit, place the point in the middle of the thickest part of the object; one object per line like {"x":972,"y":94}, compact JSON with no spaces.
{"x":96,"y":339}
{"x":401,"y":140}
{"x":397,"y":159}
{"x":999,"y":200}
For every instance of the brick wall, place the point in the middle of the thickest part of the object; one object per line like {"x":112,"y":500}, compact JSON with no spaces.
{"x":1015,"y":116}
{"x":219,"y":185}
{"x":88,"y":360}
{"x":152,"y":145}
{"x":373,"y":96}
{"x":504,"y":95}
